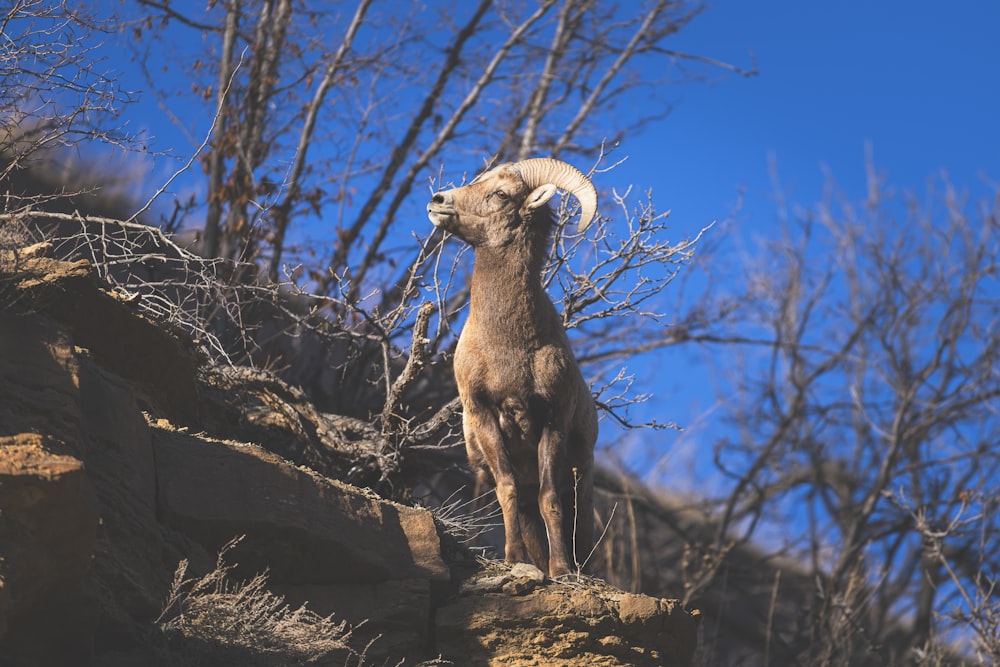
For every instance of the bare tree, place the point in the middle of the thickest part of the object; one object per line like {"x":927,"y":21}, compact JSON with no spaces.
{"x":56,"y":90}
{"x":339,"y":111}
{"x":866,"y":428}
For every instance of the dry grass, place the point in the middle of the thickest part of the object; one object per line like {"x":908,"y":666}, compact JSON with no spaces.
{"x":222,"y":619}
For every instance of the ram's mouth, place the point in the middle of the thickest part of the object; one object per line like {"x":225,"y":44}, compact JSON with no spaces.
{"x":440,"y":216}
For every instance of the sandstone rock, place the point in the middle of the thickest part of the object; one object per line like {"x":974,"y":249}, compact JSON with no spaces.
{"x":527,"y":571}
{"x":48,"y":527}
{"x":512,"y":580}
{"x":38,"y":385}
{"x":299,"y":526}
{"x":563,"y":624}
{"x":492,"y":584}
{"x":523,"y":578}
{"x":155,"y":361}
{"x":90,"y":456}
{"x":392,"y":618}
{"x":48,"y":521}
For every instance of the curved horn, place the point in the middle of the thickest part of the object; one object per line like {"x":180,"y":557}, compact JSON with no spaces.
{"x":543,"y":170}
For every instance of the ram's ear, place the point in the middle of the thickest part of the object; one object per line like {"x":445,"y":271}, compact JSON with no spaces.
{"x":540,"y":196}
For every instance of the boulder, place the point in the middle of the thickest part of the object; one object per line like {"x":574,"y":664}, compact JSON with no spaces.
{"x":561,"y":623}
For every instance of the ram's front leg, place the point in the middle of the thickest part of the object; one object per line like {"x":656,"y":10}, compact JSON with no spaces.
{"x":552,"y":476}
{"x":483,"y":437}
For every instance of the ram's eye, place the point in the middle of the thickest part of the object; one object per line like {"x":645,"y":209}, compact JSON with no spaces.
{"x":501,"y":195}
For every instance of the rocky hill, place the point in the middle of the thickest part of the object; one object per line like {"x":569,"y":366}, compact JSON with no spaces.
{"x":136,"y":529}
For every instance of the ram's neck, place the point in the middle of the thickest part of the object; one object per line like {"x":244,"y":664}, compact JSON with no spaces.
{"x":507,"y":295}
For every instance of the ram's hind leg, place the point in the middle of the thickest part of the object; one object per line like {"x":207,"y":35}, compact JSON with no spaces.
{"x":552,"y":477}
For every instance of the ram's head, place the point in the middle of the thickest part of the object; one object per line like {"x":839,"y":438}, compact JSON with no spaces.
{"x":489,"y":210}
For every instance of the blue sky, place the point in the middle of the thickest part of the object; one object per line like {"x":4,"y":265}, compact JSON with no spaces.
{"x":919,"y":81}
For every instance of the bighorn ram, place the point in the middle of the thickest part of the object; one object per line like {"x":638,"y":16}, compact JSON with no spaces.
{"x":529,"y":417}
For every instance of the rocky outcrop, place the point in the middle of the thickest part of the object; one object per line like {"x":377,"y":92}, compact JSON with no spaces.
{"x":48,"y":527}
{"x":111,"y":474}
{"x":508,"y":618}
